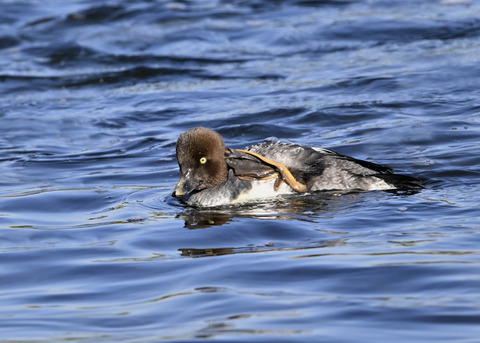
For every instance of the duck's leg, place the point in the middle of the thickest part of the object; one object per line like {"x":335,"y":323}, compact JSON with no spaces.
{"x":286,"y":174}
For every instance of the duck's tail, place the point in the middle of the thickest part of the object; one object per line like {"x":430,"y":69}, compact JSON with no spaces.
{"x":402,"y":182}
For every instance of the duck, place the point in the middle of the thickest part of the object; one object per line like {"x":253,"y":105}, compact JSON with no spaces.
{"x":214,"y":175}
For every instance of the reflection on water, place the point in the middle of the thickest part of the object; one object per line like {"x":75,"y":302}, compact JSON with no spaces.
{"x":307,"y":207}
{"x":298,"y":207}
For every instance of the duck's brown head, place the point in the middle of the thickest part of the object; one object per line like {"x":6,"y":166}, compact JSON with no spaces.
{"x":201,"y":157}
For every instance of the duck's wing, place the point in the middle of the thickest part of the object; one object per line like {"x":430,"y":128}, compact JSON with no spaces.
{"x":366,"y":167}
{"x":321,"y":168}
{"x":247,"y":167}
{"x":313,"y":160}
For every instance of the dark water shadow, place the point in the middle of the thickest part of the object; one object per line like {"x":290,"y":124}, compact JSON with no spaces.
{"x":207,"y":252}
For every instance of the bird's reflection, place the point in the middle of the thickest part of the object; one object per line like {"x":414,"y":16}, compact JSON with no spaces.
{"x":306,"y":207}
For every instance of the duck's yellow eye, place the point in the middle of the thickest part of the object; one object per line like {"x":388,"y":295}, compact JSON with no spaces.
{"x":203,"y":160}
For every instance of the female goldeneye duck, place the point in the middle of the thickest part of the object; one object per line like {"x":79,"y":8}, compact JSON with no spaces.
{"x":213,"y":175}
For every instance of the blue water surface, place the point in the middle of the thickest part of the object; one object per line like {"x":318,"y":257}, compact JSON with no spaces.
{"x":93,"y":248}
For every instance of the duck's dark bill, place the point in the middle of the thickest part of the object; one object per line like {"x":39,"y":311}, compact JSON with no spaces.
{"x":186,"y":185}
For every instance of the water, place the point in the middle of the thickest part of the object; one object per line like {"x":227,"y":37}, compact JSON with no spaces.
{"x":93,"y":97}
